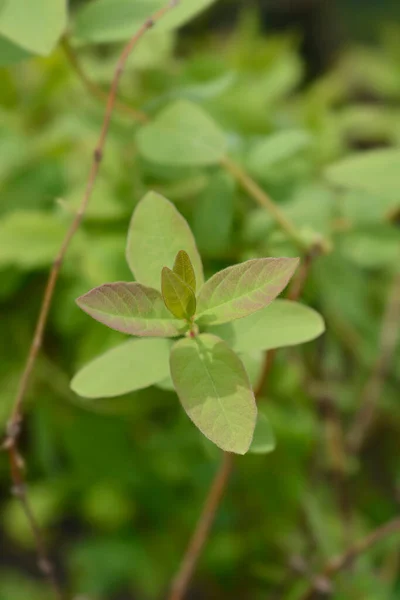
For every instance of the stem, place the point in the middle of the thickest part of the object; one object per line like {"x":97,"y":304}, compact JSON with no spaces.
{"x":262,"y":198}
{"x":15,"y":422}
{"x":185,"y":572}
{"x":346,"y":559}
{"x":373,"y":389}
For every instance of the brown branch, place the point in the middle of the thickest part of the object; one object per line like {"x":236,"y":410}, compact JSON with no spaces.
{"x":345,"y":560}
{"x":96,"y":90}
{"x":15,"y":422}
{"x":389,"y":337}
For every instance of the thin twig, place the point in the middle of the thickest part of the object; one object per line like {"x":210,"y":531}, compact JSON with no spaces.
{"x":262,"y":198}
{"x":15,"y":422}
{"x":389,"y":337}
{"x":345,"y":560}
{"x":96,"y":90}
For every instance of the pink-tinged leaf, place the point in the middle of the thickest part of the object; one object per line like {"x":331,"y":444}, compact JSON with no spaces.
{"x":131,"y":308}
{"x":243,"y":289}
{"x":215,"y":391}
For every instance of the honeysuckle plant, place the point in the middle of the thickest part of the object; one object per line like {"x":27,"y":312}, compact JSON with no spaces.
{"x":218,"y":323}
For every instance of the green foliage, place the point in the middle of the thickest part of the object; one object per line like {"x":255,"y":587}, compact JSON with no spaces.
{"x":215,"y":391}
{"x":35,"y":27}
{"x":131,"y":366}
{"x":182,"y":135}
{"x":107,"y":459}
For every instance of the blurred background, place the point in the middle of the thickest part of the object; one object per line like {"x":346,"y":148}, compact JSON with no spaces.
{"x":118,"y":484}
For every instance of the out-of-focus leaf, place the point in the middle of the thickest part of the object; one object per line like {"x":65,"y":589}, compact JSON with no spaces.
{"x":243,"y":289}
{"x":156,"y":234}
{"x":282,"y":323}
{"x":372,"y":247}
{"x":263,"y":439}
{"x":215,"y":391}
{"x":276,"y":148}
{"x":178,"y":296}
{"x":213,"y":216}
{"x":11,"y":53}
{"x":117,"y":20}
{"x":131,"y":308}
{"x":376,"y":172}
{"x":34,"y":26}
{"x":30,"y":239}
{"x":182,"y":134}
{"x":133,"y":365}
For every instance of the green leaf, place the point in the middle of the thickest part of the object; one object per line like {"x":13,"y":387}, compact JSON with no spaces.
{"x":182,"y":135}
{"x":243,"y":289}
{"x":179,"y":298}
{"x":184,"y":269}
{"x":133,"y":365}
{"x":376,"y":172}
{"x":214,"y":206}
{"x":215,"y":391}
{"x":282,"y":323}
{"x":34,"y":26}
{"x":11,"y":53}
{"x":156,"y":234}
{"x":30,"y":239}
{"x":264,"y":438}
{"x":117,"y":20}
{"x":276,"y":148}
{"x":131,"y":308}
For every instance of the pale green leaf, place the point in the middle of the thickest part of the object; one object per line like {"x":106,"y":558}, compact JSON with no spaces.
{"x":182,"y":135}
{"x":34,"y":26}
{"x":376,"y":172}
{"x":282,"y":323}
{"x":156,"y":234}
{"x":179,"y":298}
{"x":264,"y":438}
{"x":30,"y":239}
{"x":133,"y":365}
{"x":131,"y":308}
{"x":117,"y":20}
{"x":184,"y":269}
{"x":243,"y":289}
{"x":276,"y":148}
{"x":215,"y":391}
{"x":11,"y":53}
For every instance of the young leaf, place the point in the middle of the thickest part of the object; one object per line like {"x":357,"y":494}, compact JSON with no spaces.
{"x":156,"y":234}
{"x":34,"y":26}
{"x":179,"y":298}
{"x":131,"y":308}
{"x":215,"y":391}
{"x":184,"y":269}
{"x":243,"y":289}
{"x":133,"y":365}
{"x":282,"y":323}
{"x":183,"y":135}
{"x":264,"y":438}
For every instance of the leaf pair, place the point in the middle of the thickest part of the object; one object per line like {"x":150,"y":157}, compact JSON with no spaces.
{"x":179,"y":287}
